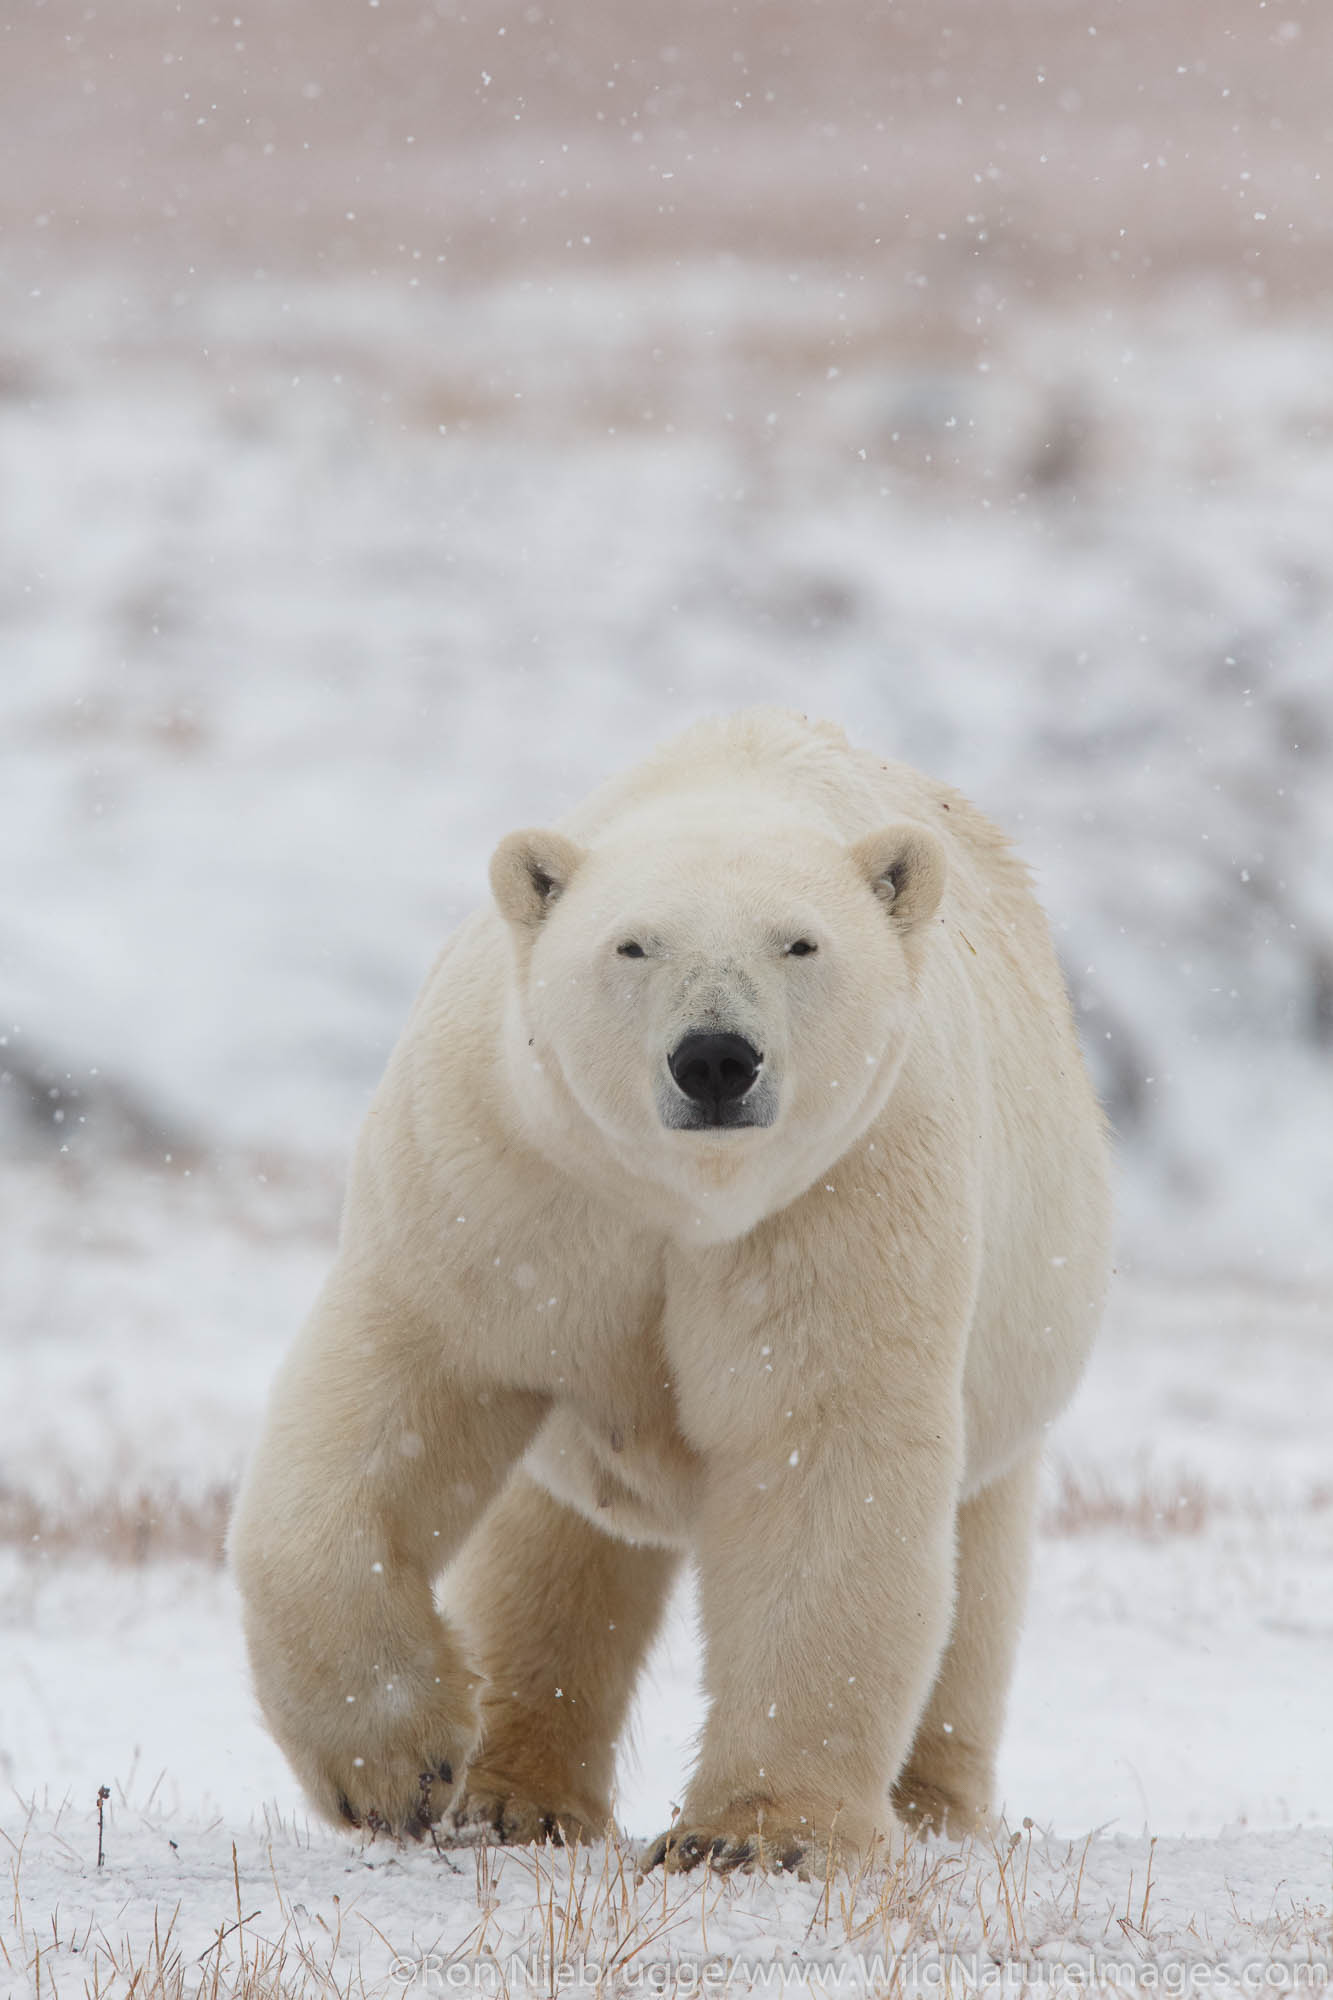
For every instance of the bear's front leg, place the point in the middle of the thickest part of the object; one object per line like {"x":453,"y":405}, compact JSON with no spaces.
{"x":373,"y":1465}
{"x":561,"y":1614}
{"x":826,"y":1577}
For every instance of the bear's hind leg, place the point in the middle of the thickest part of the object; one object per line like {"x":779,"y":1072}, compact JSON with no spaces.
{"x":948,"y":1781}
{"x":559,"y":1617}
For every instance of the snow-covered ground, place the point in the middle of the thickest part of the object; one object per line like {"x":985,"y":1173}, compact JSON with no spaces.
{"x":1173,"y":1681}
{"x":406,"y":420}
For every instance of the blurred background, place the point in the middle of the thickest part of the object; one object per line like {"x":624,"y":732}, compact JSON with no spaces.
{"x":411,"y":412}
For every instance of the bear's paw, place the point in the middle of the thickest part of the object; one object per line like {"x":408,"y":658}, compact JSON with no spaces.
{"x":954,"y":1803}
{"x":491,"y":1808}
{"x":747,"y":1837}
{"x":397,"y":1772}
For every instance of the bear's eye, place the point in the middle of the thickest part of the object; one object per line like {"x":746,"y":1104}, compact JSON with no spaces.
{"x":801,"y":949}
{"x":630,"y":950}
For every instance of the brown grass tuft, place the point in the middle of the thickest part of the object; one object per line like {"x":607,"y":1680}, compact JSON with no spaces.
{"x":137,"y":1528}
{"x":1157,"y":1509}
{"x":173,"y":1526}
{"x":1150,"y":1512}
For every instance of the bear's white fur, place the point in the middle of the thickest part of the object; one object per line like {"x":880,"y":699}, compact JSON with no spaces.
{"x":571,"y":1334}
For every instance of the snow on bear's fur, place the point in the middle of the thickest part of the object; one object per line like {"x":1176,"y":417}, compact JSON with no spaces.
{"x":736,"y":1190}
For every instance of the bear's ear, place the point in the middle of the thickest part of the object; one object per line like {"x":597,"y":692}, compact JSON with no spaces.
{"x":530,"y":870}
{"x":905,"y":867}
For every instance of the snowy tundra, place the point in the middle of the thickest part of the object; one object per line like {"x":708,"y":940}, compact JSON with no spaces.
{"x":735,"y":1188}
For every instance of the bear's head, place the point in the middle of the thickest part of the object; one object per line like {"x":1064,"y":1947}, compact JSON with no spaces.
{"x":726,"y":1004}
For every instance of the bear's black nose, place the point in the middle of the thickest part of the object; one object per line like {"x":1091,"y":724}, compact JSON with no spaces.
{"x":714,"y":1069}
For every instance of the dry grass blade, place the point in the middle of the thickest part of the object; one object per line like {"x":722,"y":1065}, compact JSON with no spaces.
{"x":130,"y":1529}
{"x":576,"y":1917}
{"x":1148,"y":1512}
{"x":169,"y":1526}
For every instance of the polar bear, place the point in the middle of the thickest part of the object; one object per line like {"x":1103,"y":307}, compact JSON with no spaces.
{"x":736,"y":1190}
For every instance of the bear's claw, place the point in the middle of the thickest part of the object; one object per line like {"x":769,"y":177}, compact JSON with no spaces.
{"x":727,"y":1853}
{"x":515,"y":1821}
{"x":410,"y":1820}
